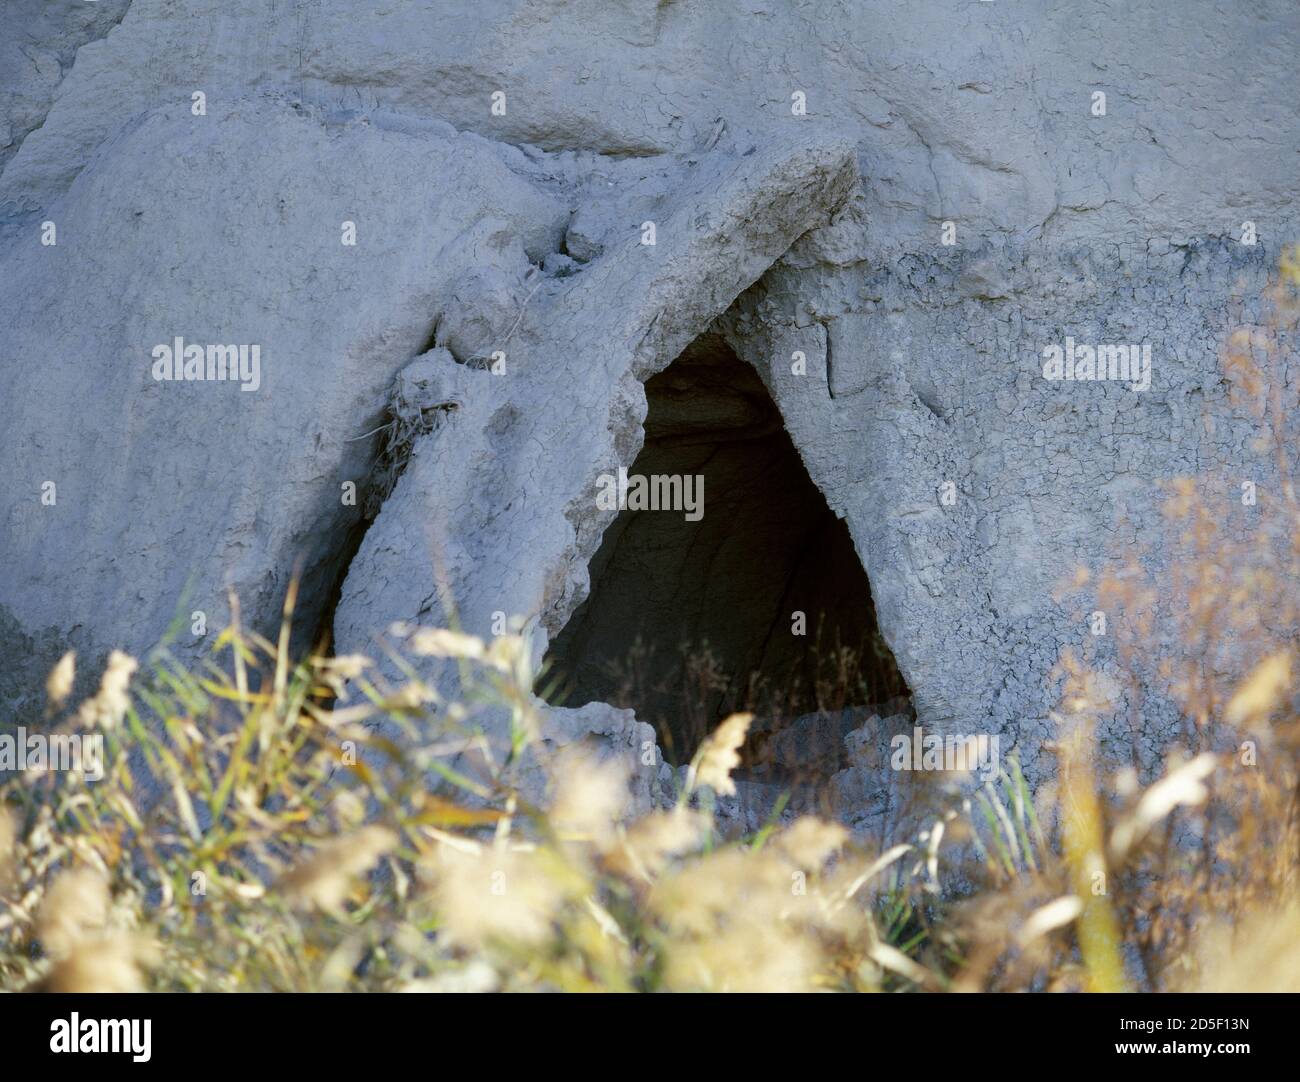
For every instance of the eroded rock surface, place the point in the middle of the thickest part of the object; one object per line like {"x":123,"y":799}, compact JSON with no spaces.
{"x":39,"y":42}
{"x":803,"y":167}
{"x":168,"y":493}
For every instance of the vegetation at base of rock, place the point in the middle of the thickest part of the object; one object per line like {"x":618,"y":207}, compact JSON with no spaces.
{"x":272,"y":824}
{"x":237,"y":843}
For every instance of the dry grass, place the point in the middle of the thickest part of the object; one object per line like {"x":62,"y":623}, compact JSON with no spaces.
{"x":236,"y":843}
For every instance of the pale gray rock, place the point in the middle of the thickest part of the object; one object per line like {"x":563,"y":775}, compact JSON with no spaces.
{"x":464,"y":540}
{"x":168,"y":494}
{"x":39,"y":42}
{"x":501,"y":160}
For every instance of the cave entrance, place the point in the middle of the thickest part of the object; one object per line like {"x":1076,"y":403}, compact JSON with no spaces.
{"x":687,"y":621}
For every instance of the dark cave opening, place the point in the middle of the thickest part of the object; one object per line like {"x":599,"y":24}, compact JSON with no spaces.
{"x":762,"y":604}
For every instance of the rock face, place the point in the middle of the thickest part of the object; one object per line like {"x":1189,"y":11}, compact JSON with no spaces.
{"x":166,"y":493}
{"x":463,"y":538}
{"x":39,"y":39}
{"x":888,"y":211}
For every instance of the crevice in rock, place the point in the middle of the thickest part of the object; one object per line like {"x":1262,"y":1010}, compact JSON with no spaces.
{"x":52,"y":31}
{"x":830,"y":361}
{"x":761,"y":604}
{"x":416,"y":406}
{"x":330,"y":578}
{"x":431,"y":339}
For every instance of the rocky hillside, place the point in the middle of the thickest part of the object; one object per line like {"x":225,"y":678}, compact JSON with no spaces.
{"x":981,"y":256}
